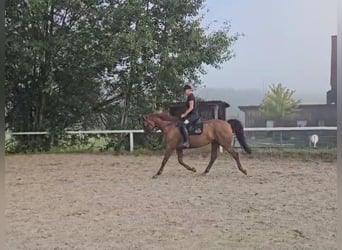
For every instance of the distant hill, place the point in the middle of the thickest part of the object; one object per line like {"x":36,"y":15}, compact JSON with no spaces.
{"x":243,"y":97}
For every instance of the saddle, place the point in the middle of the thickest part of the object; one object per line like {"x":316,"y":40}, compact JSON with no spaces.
{"x":196,"y":128}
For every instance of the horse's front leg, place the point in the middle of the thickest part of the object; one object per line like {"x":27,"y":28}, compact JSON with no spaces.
{"x":180,"y":160}
{"x":166,"y":158}
{"x":214,"y":148}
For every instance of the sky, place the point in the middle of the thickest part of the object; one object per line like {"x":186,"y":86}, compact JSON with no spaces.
{"x":286,"y":42}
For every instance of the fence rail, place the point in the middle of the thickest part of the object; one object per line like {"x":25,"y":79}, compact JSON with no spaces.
{"x":132,"y":132}
{"x":291,"y":129}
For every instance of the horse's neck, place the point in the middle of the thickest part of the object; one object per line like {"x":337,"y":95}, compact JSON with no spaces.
{"x":161,"y":123}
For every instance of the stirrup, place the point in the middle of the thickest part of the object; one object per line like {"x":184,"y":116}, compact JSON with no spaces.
{"x":186,"y":145}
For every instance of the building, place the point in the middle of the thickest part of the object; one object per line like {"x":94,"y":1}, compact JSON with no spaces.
{"x":207,"y":109}
{"x":332,"y":93}
{"x":308,"y":115}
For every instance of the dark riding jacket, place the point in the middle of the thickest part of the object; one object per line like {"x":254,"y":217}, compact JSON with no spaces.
{"x":194,"y":114}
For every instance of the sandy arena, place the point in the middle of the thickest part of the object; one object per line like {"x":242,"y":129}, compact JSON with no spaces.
{"x":94,"y":201}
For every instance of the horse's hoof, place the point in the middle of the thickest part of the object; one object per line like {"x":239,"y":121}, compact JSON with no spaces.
{"x":204,"y":174}
{"x":155,"y":176}
{"x":193,"y":170}
{"x":245,"y":172}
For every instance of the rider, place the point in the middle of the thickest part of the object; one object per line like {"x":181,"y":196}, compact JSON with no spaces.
{"x":189,"y":116}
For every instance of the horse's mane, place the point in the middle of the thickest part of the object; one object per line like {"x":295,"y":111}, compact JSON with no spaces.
{"x":165,"y":117}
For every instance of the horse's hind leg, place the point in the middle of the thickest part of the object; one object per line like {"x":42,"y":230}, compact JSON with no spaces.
{"x":236,"y":158}
{"x":166,"y":158}
{"x":213,"y":157}
{"x":180,"y":160}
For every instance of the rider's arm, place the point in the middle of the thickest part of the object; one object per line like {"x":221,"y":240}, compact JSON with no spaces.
{"x":191,"y":107}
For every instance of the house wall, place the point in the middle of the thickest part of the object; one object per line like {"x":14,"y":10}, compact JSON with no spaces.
{"x":327,"y":113}
{"x":253,"y":118}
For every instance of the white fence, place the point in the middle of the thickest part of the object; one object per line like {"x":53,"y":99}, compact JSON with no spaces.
{"x":132,"y":132}
{"x":291,"y":129}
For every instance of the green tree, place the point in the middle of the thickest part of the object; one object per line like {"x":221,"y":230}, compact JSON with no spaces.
{"x":52,"y":61}
{"x":163,"y":45}
{"x":279,"y":102}
{"x":99,"y":63}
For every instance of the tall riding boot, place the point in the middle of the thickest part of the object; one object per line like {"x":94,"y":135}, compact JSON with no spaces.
{"x":185,"y":134}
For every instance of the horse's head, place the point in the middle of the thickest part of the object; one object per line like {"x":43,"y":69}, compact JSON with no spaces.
{"x":153,"y":122}
{"x":149,"y":125}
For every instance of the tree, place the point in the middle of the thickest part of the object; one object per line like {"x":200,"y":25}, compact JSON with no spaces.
{"x":98,"y":64}
{"x":164,"y":45}
{"x":51,"y":64}
{"x":279,"y":103}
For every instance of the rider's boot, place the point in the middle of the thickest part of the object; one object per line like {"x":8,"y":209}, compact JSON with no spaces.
{"x":185,"y":135}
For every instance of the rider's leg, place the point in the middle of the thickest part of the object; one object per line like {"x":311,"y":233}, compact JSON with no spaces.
{"x":185,"y":135}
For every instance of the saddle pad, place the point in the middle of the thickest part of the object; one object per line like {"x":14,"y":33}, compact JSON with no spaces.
{"x":196,"y":129}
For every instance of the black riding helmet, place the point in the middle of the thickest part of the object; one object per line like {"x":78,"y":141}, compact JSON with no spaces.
{"x":187,"y":87}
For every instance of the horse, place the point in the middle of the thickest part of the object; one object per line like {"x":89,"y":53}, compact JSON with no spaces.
{"x":216,"y":132}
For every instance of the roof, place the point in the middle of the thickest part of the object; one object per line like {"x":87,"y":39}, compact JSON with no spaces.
{"x":249,"y":107}
{"x":207,"y":103}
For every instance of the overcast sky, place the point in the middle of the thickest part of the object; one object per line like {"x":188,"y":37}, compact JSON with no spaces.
{"x":285,"y":41}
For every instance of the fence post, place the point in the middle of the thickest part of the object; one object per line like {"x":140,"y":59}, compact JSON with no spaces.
{"x":281,"y":138}
{"x":216,"y":113}
{"x":131,"y":143}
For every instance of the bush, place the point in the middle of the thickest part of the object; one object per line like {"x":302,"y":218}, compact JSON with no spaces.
{"x":11,"y":143}
{"x":73,"y":143}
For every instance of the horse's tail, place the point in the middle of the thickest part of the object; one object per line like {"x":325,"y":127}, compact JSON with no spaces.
{"x":238,"y":130}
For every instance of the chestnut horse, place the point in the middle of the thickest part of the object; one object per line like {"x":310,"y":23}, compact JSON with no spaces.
{"x":216,"y":132}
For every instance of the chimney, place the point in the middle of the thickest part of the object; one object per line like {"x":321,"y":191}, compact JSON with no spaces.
{"x":332,"y":93}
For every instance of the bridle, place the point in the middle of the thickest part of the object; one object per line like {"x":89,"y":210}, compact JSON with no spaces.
{"x":146,"y":122}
